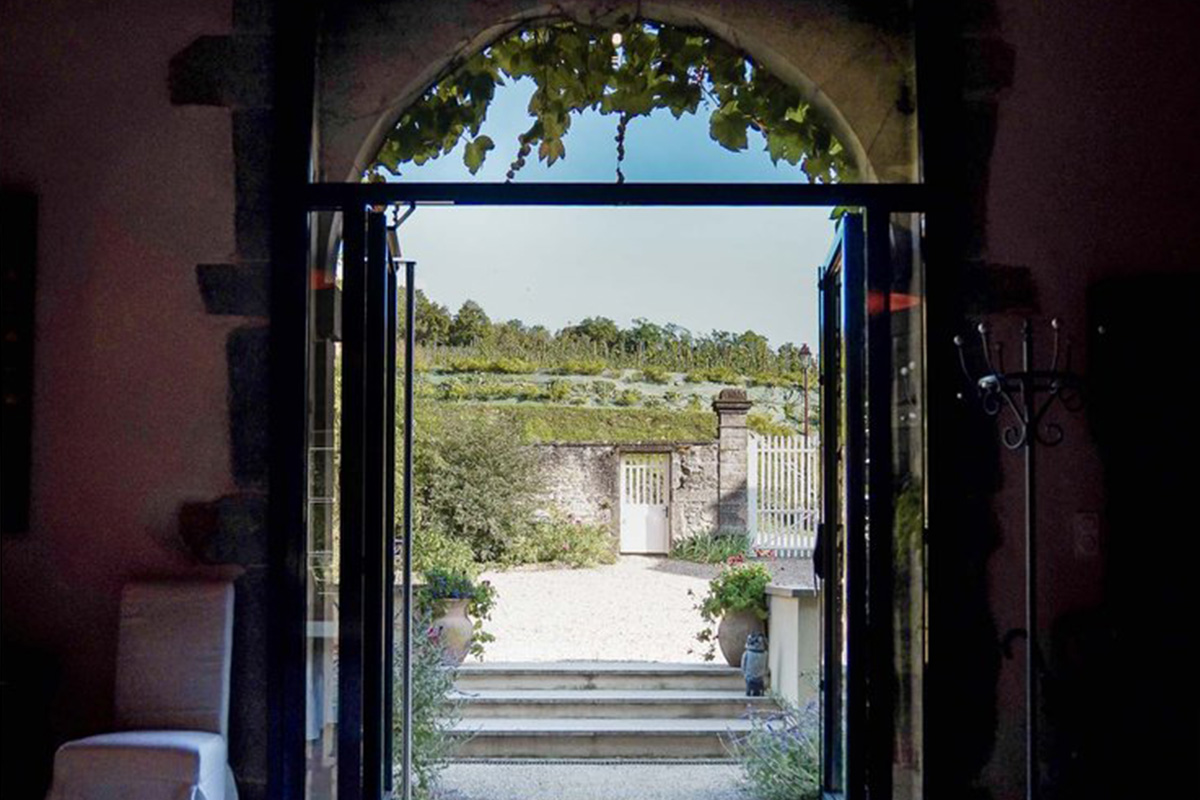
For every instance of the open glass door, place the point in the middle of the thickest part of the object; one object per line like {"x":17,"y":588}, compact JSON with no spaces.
{"x":351,"y":509}
{"x":871,"y":553}
{"x":841,"y":532}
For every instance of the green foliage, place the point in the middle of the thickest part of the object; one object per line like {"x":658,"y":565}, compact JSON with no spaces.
{"x":478,"y":390}
{"x":435,"y":710}
{"x":780,"y":755}
{"x":576,"y":67}
{"x":470,"y":325}
{"x":766,"y":425}
{"x":559,"y":391}
{"x":652,"y":374}
{"x":604,"y":390}
{"x":433,"y":321}
{"x":720,"y":374}
{"x":502,"y":366}
{"x":473,"y":480}
{"x":560,"y":540}
{"x":599,"y":330}
{"x":628,"y":397}
{"x":580,"y":367}
{"x":533,"y":424}
{"x":435,"y":549}
{"x":714,"y":547}
{"x":599,"y":347}
{"x":777,"y":379}
{"x":740,"y":586}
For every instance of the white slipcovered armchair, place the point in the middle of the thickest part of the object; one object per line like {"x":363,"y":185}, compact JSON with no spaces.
{"x":172,"y":702}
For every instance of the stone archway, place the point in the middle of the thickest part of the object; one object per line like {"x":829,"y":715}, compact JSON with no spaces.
{"x":855,"y":66}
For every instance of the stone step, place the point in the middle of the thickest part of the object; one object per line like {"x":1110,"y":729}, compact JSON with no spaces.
{"x":525,"y":737}
{"x":629,"y":675}
{"x":609,"y":703}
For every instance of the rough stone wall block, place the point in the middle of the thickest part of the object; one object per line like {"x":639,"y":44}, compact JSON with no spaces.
{"x":732,"y":406}
{"x":235,"y":289}
{"x":247,"y":354}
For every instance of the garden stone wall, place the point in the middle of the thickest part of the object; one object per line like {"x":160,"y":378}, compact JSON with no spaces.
{"x":583,"y":481}
{"x":694,"y":489}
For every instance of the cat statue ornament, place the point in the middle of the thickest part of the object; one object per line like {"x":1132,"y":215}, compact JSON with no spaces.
{"x":754,"y":665}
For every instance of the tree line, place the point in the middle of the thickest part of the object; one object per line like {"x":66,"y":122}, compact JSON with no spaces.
{"x":642,"y":343}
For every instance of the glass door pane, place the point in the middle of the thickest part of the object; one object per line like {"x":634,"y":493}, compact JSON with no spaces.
{"x":906,"y":318}
{"x":349,"y":546}
{"x":323,"y":539}
{"x":840,"y":556}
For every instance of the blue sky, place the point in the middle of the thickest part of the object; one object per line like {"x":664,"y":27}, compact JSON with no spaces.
{"x":702,"y":268}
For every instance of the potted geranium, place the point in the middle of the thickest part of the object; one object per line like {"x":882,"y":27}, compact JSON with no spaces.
{"x":736,"y":604}
{"x":458,"y":606}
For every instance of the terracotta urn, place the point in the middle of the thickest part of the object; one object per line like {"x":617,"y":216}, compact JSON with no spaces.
{"x":454,"y":630}
{"x":732,"y":632}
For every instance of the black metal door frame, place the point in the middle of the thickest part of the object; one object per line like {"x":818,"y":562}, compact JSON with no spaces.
{"x":365,"y":645}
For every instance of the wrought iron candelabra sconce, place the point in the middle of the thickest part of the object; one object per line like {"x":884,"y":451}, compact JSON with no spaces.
{"x":1028,"y":395}
{"x":1024,"y":399}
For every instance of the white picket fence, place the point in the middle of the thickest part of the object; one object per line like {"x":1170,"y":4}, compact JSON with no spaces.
{"x":783,"y":493}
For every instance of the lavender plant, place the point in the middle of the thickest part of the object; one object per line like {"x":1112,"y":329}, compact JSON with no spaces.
{"x":781,"y":754}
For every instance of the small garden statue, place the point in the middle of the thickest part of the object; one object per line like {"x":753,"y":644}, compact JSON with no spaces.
{"x":754,"y":664}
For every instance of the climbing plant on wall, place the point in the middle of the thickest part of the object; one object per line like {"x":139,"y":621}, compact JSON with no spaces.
{"x":627,"y":72}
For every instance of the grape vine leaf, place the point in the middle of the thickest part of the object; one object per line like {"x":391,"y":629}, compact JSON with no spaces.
{"x":476,"y":151}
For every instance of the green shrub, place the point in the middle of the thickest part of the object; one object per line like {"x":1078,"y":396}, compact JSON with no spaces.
{"x":652,"y":374}
{"x":580,"y":367}
{"x":604,"y":390}
{"x":503,"y":366}
{"x":435,"y":710}
{"x":558,"y":539}
{"x":767,"y":425}
{"x":671,"y":398}
{"x":559,"y":391}
{"x":484,"y":390}
{"x":714,"y":547}
{"x":536,"y":423}
{"x":473,"y":479}
{"x":781,"y":753}
{"x":434,"y":549}
{"x":628,"y":397}
{"x":714,"y":375}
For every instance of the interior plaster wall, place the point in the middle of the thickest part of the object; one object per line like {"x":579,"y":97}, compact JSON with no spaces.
{"x":1083,"y":186}
{"x":130,"y":416}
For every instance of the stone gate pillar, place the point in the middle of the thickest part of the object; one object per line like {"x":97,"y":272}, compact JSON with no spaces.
{"x":731,"y":406}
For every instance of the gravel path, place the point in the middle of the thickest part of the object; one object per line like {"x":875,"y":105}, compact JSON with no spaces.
{"x":635,"y":610}
{"x":576,"y":781}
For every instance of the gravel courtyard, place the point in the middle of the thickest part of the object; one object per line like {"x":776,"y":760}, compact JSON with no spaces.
{"x":637,"y":609}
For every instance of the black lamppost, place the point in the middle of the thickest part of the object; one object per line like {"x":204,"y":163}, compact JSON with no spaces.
{"x":805,"y":364}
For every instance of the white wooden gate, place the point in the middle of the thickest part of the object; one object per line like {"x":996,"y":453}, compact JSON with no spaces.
{"x":783,"y":493}
{"x":645,"y":503}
